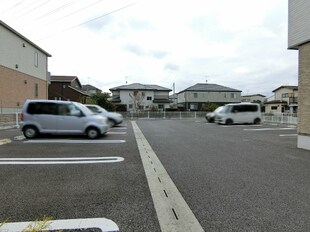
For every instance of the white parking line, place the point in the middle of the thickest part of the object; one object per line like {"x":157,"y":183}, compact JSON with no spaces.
{"x":288,"y":135}
{"x":172,"y":210}
{"x":119,"y":128}
{"x":244,"y":125}
{"x":105,"y":225}
{"x":5,"y":141}
{"x":269,"y":129}
{"x":67,"y":160}
{"x":86,"y":141}
{"x":116,"y":133}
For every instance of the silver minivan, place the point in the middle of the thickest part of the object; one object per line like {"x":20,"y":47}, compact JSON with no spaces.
{"x":240,"y":113}
{"x":60,"y":117}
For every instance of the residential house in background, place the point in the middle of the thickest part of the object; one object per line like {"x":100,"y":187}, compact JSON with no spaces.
{"x":138,"y":97}
{"x":23,"y":70}
{"x":285,"y":100}
{"x":195,"y":97}
{"x":255,"y":98}
{"x":66,"y":88}
{"x":91,"y":89}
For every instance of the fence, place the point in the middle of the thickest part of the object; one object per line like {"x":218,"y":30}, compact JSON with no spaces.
{"x":9,"y":120}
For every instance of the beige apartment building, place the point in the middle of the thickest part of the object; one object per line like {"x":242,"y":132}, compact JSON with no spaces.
{"x":23,"y":70}
{"x":299,"y":39}
{"x":285,"y":100}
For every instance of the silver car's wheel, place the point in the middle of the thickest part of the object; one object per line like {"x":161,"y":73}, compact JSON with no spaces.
{"x":30,"y":132}
{"x":92,"y":133}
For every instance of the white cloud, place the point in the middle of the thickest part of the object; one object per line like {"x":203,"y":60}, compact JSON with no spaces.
{"x":241,"y":44}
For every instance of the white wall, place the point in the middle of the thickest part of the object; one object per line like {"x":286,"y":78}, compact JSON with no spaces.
{"x":16,"y":51}
{"x":299,"y":22}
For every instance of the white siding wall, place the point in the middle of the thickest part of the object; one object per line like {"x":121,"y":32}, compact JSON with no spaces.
{"x":299,"y":22}
{"x":128,"y":100}
{"x":12,"y":53}
{"x":209,"y":97}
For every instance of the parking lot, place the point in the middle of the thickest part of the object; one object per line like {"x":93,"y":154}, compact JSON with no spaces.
{"x":214,"y":177}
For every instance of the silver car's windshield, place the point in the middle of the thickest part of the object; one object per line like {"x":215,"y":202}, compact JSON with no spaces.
{"x":84,"y":109}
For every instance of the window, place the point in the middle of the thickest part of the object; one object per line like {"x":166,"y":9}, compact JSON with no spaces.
{"x":149,"y":98}
{"x":194,"y":106}
{"x":42,"y":108}
{"x":36,"y":59}
{"x":195,"y":95}
{"x":233,"y":95}
{"x":225,"y":96}
{"x":130,"y":106}
{"x":274,"y":107}
{"x":284,"y":95}
{"x":36,"y":89}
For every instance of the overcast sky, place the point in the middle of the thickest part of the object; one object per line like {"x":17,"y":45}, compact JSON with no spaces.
{"x":240,"y":44}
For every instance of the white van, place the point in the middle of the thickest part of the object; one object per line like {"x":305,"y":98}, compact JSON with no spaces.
{"x":60,"y":117}
{"x":240,"y":113}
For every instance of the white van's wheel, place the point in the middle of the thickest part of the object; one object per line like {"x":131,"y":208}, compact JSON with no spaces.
{"x":257,"y":121}
{"x":30,"y":132}
{"x":229,"y":122}
{"x":92,"y":133}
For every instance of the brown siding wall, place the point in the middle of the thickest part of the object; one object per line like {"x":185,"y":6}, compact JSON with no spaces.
{"x":304,"y":90}
{"x":16,"y":87}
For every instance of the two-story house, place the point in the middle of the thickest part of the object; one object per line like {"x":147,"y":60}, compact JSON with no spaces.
{"x":66,"y":88}
{"x":90,"y":89}
{"x":23,"y":70}
{"x":285,"y":100}
{"x":255,"y":98}
{"x":139,"y":97}
{"x":196,"y":96}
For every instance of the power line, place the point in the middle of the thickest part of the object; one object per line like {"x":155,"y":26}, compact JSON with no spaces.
{"x":12,"y":7}
{"x":55,"y":20}
{"x":91,"y":20}
{"x":55,"y":10}
{"x":33,"y":9}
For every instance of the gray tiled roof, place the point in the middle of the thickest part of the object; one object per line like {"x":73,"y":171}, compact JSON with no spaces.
{"x":140,"y":87}
{"x":210,"y":88}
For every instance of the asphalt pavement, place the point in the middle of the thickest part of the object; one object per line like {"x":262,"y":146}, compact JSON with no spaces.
{"x":233,"y":178}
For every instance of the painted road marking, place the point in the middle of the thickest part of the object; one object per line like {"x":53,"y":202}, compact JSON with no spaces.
{"x":74,"y":141}
{"x":288,"y":135}
{"x":269,"y":129}
{"x":119,"y":128}
{"x":69,"y":160}
{"x":20,"y":137}
{"x":244,"y":125}
{"x":172,"y":211}
{"x":5,"y":141}
{"x":116,"y":133}
{"x":105,"y":225}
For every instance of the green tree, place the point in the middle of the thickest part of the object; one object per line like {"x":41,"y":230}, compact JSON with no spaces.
{"x":102,"y":99}
{"x":210,"y":106}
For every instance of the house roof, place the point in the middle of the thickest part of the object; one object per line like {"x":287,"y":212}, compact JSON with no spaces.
{"x":68,"y":79}
{"x":254,"y":95}
{"x":24,"y":38}
{"x":63,"y":78}
{"x":276,"y":102}
{"x":139,"y":86}
{"x":89,"y":87}
{"x":293,"y":87}
{"x":203,"y":87}
{"x":79,"y":91}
